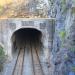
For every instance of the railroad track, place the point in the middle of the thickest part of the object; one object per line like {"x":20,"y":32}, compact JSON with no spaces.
{"x":28,"y":62}
{"x":18,"y":69}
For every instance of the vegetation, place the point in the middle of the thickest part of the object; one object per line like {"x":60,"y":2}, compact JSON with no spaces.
{"x":72,"y":49}
{"x":73,"y":10}
{"x":1,"y":9}
{"x":62,"y":35}
{"x":2,"y":58}
{"x":73,"y":68}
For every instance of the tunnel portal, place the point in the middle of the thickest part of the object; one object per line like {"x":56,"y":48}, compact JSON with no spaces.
{"x":24,"y":37}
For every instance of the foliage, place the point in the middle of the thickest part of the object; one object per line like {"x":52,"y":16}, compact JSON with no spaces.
{"x":72,"y":49}
{"x":1,"y":8}
{"x":73,"y":68}
{"x":2,"y":57}
{"x":66,"y":57}
{"x":63,"y":6}
{"x":73,"y":9}
{"x":1,"y":52}
{"x":62,"y":34}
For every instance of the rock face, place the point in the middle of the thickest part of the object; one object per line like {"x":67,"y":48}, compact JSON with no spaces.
{"x":64,"y":38}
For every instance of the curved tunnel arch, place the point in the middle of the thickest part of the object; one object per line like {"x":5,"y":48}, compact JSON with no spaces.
{"x":23,"y":36}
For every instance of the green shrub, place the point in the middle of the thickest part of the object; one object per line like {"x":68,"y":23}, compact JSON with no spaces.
{"x":73,"y":68}
{"x":66,"y":57}
{"x":62,"y":34}
{"x":73,"y":10}
{"x":63,"y":6}
{"x":2,"y":58}
{"x":72,"y":49}
{"x":2,"y":53}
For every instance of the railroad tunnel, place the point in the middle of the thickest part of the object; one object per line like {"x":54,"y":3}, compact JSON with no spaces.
{"x":26,"y":37}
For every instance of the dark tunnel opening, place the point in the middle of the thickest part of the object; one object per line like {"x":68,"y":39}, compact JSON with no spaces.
{"x":26,"y":36}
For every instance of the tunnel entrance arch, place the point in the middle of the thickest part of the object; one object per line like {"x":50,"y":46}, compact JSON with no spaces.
{"x":25,"y":36}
